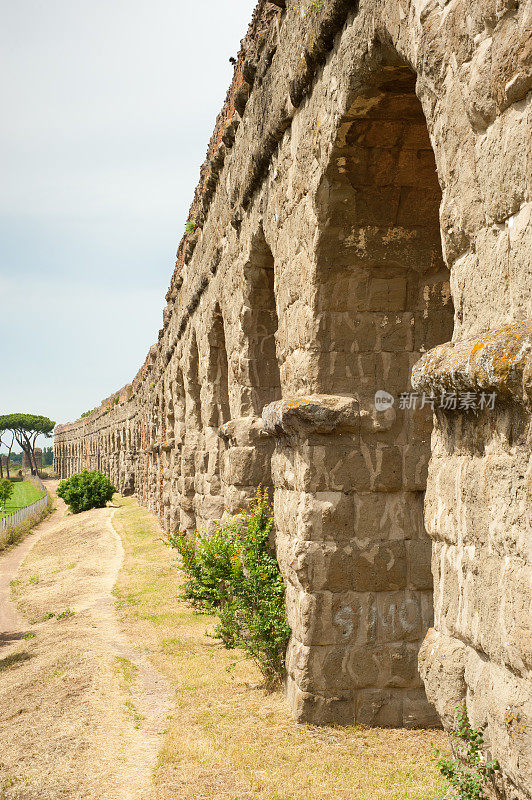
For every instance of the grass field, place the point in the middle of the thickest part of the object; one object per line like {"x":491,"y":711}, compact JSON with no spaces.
{"x":228,"y":738}
{"x":25,"y":494}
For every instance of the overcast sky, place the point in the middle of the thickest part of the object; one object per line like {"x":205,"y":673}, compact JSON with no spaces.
{"x":107,"y":110}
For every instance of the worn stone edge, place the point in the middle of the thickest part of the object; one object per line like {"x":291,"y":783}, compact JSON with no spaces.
{"x":311,"y":414}
{"x":499,"y":361}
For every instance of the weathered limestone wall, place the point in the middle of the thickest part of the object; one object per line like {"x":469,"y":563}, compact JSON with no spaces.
{"x":478,"y":512}
{"x":365,"y":198}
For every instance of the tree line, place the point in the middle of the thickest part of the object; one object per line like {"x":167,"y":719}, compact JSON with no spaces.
{"x":24,"y":430}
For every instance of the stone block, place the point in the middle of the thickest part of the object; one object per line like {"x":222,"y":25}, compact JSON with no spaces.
{"x":387,"y":294}
{"x":400,"y":617}
{"x":418,"y":712}
{"x":237,"y":498}
{"x":315,"y":709}
{"x":418,"y":556}
{"x":332,"y":669}
{"x":393,"y":515}
{"x":246,"y":466}
{"x":395,"y":332}
{"x":327,"y":618}
{"x":377,"y":708}
{"x":315,"y":566}
{"x":415,"y":466}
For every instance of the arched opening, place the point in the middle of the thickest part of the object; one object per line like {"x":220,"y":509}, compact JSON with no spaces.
{"x":175,"y":432}
{"x":383,"y":286}
{"x":154,"y":428}
{"x":176,"y":408}
{"x":260,"y":324}
{"x":382,"y":298}
{"x":193,"y":387}
{"x":192,"y":450}
{"x":218,"y":371}
{"x":216,"y":412}
{"x":384,"y":294}
{"x":246,"y":454}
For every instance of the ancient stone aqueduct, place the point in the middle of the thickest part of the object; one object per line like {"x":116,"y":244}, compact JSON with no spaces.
{"x":363,"y":224}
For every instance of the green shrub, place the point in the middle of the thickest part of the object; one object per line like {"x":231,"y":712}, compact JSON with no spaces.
{"x":468,"y":773}
{"x":232,"y":573}
{"x":86,"y":490}
{"x":6,"y":490}
{"x":190,"y":227}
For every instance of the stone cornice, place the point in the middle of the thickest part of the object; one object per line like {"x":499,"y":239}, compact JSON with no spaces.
{"x":320,"y":413}
{"x":499,"y":361}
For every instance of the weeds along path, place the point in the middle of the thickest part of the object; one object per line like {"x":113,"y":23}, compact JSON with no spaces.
{"x":12,"y":624}
{"x":82,"y":711}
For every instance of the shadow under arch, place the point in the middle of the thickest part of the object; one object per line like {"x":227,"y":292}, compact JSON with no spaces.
{"x":260,"y":324}
{"x":382,"y":298}
{"x":191,"y":453}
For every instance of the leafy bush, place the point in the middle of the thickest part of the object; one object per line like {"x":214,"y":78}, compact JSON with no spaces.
{"x":468,"y":773}
{"x":86,"y":490}
{"x":6,"y":490}
{"x":190,"y":227}
{"x":231,"y":573}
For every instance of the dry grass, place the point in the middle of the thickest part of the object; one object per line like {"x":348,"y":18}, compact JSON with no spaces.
{"x":230,"y":740}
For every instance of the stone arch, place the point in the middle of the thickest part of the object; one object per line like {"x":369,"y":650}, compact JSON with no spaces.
{"x":215,"y":412}
{"x":381,"y":297}
{"x":260,"y":324}
{"x":218,"y":372}
{"x":192,"y":385}
{"x":176,"y":401}
{"x":255,"y":370}
{"x":130,"y":459}
{"x":175,"y":432}
{"x":382,"y":283}
{"x":192,"y":465}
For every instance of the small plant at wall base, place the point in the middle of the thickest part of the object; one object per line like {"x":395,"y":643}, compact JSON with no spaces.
{"x":232,"y":574}
{"x":468,"y":774}
{"x":86,"y":490}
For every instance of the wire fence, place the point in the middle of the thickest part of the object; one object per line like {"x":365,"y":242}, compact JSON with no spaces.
{"x":33,"y":510}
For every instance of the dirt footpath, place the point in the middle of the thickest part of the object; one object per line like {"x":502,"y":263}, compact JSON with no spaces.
{"x":82,"y":712}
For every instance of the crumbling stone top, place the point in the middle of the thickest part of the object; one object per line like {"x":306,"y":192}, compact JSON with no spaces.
{"x":252,"y":46}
